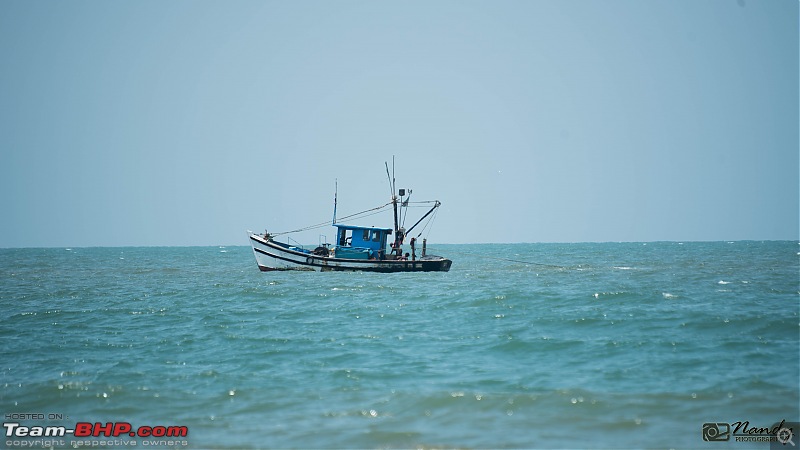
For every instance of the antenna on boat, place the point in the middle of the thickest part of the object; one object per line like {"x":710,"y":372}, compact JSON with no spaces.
{"x":335,"y":200}
{"x":391,"y":187}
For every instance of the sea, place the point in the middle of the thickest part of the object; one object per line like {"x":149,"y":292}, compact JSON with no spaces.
{"x":588,"y":345}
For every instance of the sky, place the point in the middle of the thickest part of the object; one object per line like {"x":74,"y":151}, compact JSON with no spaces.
{"x":143,"y":123}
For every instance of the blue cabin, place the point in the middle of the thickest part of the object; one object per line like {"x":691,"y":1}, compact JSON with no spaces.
{"x":353,"y":242}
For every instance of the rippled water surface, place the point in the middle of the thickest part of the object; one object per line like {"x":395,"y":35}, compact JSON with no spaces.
{"x":523,"y":345}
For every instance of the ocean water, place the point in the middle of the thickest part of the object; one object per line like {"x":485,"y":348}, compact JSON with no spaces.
{"x":614,"y":345}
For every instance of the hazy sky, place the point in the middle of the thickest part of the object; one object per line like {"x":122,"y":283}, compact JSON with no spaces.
{"x":188,"y":122}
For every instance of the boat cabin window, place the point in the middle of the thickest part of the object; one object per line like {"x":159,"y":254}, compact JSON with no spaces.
{"x":376,"y":236}
{"x":345,"y":237}
{"x":365,"y":237}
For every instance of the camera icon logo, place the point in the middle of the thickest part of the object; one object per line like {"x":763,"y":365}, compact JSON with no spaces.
{"x":716,"y":432}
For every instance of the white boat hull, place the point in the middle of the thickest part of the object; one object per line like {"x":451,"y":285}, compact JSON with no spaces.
{"x":271,"y":255}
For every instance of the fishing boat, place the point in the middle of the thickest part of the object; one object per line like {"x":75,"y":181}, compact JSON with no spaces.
{"x":357,"y":248}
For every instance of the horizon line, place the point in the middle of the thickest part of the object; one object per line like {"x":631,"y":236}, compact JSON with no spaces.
{"x":729,"y":241}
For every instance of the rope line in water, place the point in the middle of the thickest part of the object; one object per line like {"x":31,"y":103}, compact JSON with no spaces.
{"x":512,"y":260}
{"x":527,"y":262}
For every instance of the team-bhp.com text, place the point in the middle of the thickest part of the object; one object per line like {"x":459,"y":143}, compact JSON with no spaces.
{"x":97,"y":429}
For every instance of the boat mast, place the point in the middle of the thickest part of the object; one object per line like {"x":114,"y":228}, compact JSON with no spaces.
{"x":397,"y":237}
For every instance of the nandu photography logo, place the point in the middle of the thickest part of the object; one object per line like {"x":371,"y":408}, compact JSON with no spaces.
{"x":780,"y":434}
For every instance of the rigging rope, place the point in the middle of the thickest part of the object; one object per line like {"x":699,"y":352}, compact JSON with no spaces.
{"x":327,"y":222}
{"x":429,"y":222}
{"x":372,"y":211}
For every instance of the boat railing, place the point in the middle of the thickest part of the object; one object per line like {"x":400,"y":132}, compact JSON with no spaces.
{"x":296,"y":244}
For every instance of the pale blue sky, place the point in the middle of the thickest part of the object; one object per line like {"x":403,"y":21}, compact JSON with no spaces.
{"x":188,"y":122}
